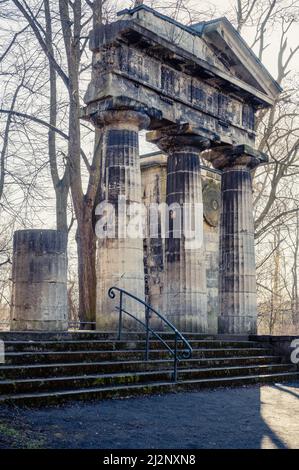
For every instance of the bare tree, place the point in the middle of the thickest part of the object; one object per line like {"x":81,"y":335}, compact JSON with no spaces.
{"x":74,"y":21}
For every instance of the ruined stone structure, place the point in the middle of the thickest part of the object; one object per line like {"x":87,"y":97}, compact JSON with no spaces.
{"x":39,"y":277}
{"x":196,"y":89}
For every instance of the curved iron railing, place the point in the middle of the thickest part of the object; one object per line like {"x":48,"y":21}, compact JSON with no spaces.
{"x":178,"y":354}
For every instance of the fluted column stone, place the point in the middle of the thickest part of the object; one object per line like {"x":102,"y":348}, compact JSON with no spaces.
{"x":120,"y":257}
{"x":185,"y":289}
{"x":237,"y":270}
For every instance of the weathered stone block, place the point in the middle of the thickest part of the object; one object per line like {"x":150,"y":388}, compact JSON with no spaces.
{"x":39,"y":275}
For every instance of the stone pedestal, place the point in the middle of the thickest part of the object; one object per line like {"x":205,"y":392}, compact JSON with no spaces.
{"x":120,"y":253}
{"x":39,"y":276}
{"x":185,"y":288}
{"x":237,"y":273}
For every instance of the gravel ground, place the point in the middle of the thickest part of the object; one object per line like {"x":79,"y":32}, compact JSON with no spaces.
{"x":248,"y":417}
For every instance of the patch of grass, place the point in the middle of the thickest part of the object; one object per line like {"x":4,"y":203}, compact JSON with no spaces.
{"x":11,"y":437}
{"x":9,"y":431}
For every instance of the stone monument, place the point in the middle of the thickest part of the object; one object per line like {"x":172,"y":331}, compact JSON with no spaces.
{"x":196,"y":89}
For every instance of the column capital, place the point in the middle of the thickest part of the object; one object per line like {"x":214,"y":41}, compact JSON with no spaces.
{"x":118,"y":110}
{"x":121,"y":118}
{"x":242,"y":156}
{"x":172,"y":138}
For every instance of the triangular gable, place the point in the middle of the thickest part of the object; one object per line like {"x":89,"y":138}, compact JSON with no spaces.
{"x":232,"y":50}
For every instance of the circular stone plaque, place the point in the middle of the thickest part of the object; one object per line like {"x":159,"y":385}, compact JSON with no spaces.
{"x":211,"y":202}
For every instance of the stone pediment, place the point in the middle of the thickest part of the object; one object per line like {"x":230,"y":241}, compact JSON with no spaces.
{"x":236,"y":56}
{"x":216,"y":47}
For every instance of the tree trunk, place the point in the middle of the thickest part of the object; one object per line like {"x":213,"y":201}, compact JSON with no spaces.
{"x":61,"y":206}
{"x":86,"y":249}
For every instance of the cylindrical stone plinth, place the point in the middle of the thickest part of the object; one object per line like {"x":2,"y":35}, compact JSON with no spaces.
{"x":237,"y":273}
{"x":185,"y":290}
{"x":120,"y":252}
{"x":39,"y":277}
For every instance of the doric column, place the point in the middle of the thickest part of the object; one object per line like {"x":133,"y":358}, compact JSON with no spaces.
{"x":120,"y":250}
{"x":237,"y":273}
{"x":185,"y":290}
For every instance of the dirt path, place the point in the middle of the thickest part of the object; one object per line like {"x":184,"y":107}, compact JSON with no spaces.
{"x":247,"y":417}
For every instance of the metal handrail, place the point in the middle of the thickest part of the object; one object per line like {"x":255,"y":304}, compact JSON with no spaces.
{"x":178,"y":355}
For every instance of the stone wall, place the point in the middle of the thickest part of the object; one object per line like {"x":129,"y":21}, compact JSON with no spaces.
{"x":282,"y":346}
{"x":153,"y":171}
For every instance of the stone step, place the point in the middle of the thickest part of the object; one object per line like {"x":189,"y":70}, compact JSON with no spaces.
{"x":91,"y":381}
{"x":45,"y":368}
{"x":100,"y":335}
{"x":84,"y":368}
{"x":58,"y":397}
{"x":117,"y":355}
{"x":98,"y":345}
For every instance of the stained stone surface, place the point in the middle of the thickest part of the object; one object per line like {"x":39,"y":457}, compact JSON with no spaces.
{"x":39,"y":280}
{"x":154,"y":176}
{"x":237,"y":282}
{"x":120,"y":257}
{"x":184,"y":293}
{"x":211,"y":211}
{"x":185,"y":285}
{"x":237,"y":268}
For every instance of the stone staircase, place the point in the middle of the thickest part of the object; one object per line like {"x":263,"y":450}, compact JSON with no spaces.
{"x":51,"y":368}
